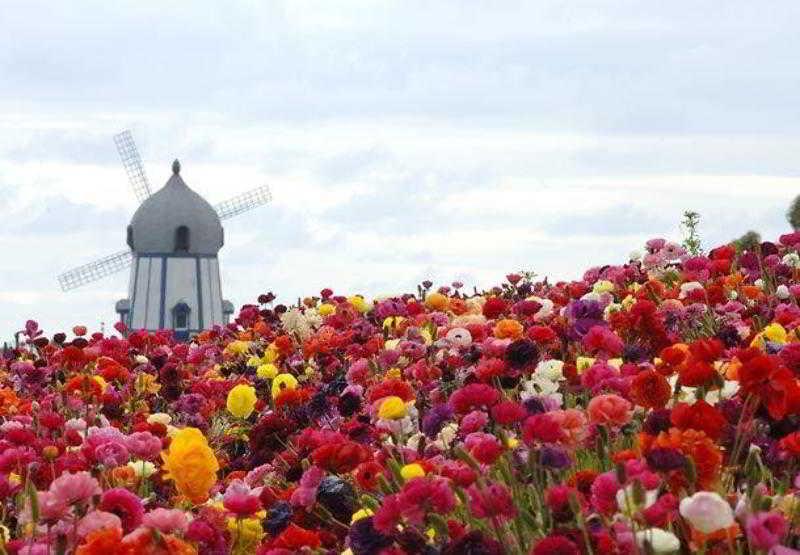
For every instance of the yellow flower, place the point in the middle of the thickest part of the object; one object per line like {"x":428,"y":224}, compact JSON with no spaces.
{"x":437,"y":301}
{"x":391,"y":344}
{"x":102,"y":382}
{"x":246,"y":534}
{"x":241,"y":400}
{"x":146,"y":383}
{"x":603,"y":286}
{"x":326,"y":309}
{"x":191,"y":464}
{"x":774,"y":333}
{"x":583,"y":363}
{"x":237,"y":347}
{"x":392,"y":408}
{"x":359,"y":303}
{"x":271,"y":354}
{"x":361,"y":513}
{"x":267,"y":371}
{"x":412,"y":470}
{"x":281,"y":382}
{"x":394,"y":373}
{"x":392,"y":322}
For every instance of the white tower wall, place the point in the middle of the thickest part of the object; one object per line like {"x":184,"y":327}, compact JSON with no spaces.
{"x":159,"y":283}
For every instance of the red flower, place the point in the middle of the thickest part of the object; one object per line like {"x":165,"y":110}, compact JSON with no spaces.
{"x":650,"y":390}
{"x":340,"y":457}
{"x":697,"y":373}
{"x":494,"y":307}
{"x":367,"y":474}
{"x":541,"y":428}
{"x":294,"y":537}
{"x":473,"y":396}
{"x":507,"y":413}
{"x":699,"y":416}
{"x":542,"y":334}
{"x":555,"y":545}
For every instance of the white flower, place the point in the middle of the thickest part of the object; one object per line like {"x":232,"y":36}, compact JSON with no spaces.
{"x":551,"y":370}
{"x":460,"y":337}
{"x":635,"y":255}
{"x":759,"y":283}
{"x":792,"y":259}
{"x":142,"y":469}
{"x":707,"y":512}
{"x":660,"y":541}
{"x":160,"y":418}
{"x":782,"y":292}
{"x":295,"y":322}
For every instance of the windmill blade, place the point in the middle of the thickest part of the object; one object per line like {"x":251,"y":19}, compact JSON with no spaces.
{"x":244,"y":202}
{"x":95,"y":270}
{"x":132,"y":162}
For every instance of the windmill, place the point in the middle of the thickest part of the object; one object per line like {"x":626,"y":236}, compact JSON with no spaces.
{"x":174,"y":239}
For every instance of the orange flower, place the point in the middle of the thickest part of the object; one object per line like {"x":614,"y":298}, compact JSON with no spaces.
{"x":100,"y":542}
{"x":9,"y":402}
{"x":437,"y":301}
{"x":508,"y":329}
{"x":650,"y":390}
{"x":458,"y":306}
{"x":698,"y":446}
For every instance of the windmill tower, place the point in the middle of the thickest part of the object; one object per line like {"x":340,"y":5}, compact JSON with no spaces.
{"x":174,"y":238}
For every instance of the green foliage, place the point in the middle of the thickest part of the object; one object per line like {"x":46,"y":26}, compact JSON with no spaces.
{"x":691,"y":236}
{"x":747,"y":242}
{"x":793,"y":215}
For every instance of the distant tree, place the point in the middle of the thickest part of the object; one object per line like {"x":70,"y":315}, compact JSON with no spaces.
{"x":793,"y":215}
{"x":691,"y":236}
{"x":748,"y":242}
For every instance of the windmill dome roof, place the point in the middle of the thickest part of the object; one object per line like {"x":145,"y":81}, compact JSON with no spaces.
{"x":155,"y":225}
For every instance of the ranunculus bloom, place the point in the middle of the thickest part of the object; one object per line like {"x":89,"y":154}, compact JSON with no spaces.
{"x":241,"y":400}
{"x":707,"y":512}
{"x":191,"y":464}
{"x":609,"y":410}
{"x":765,"y":530}
{"x":79,"y":487}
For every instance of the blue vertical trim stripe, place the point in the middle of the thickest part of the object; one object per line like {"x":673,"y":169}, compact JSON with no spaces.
{"x":199,"y":295}
{"x":129,"y":323}
{"x":163,"y":292}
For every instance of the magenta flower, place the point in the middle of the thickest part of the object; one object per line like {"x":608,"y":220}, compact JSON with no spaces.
{"x":491,"y":501}
{"x":765,"y":530}
{"x":126,"y":505}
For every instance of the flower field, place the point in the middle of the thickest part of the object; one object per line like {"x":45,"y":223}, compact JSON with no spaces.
{"x":649,"y":408}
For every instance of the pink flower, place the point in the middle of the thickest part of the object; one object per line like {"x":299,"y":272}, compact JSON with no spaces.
{"x":473,"y":422}
{"x":97,"y":520}
{"x":166,"y":521}
{"x":609,"y":410}
{"x":306,"y":495}
{"x":241,"y":499}
{"x":604,"y":493}
{"x":79,"y":487}
{"x":765,"y":530}
{"x":707,"y":512}
{"x":126,"y":505}
{"x":491,"y":501}
{"x":143,"y":445}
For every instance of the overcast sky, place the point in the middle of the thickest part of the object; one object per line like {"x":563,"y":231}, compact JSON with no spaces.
{"x":402,"y":140}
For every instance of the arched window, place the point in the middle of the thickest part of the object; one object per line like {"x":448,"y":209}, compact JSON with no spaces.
{"x":182,"y":239}
{"x":180,"y":316}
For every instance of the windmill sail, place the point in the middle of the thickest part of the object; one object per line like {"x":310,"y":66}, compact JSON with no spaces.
{"x":132,"y":162}
{"x":244,"y":202}
{"x":95,"y":270}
